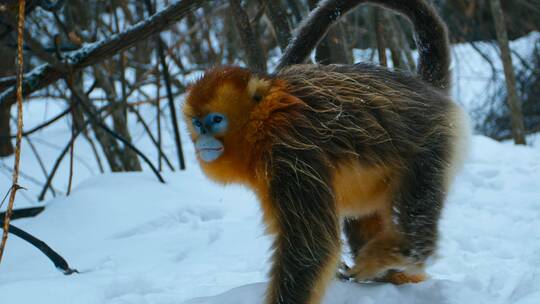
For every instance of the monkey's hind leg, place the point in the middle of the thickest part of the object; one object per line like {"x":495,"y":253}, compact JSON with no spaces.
{"x":398,"y":253}
{"x":358,"y":231}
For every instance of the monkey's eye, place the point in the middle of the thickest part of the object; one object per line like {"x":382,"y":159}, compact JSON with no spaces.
{"x":217,"y":119}
{"x":197,"y":124}
{"x":216,"y":122}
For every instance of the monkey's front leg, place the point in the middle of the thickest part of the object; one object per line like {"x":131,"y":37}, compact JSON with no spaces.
{"x":307,"y":244}
{"x":304,"y":261}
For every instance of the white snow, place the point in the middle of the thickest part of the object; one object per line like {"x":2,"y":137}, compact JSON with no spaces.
{"x":138,"y":241}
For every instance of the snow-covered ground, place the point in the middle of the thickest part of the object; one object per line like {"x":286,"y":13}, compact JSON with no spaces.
{"x":135,"y":240}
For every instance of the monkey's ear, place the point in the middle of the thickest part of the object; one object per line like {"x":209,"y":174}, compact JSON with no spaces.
{"x":257,"y":88}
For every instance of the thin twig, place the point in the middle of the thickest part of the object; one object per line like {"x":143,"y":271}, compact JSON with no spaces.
{"x":168,"y":88}
{"x":29,"y":178}
{"x":40,"y":162}
{"x":95,"y":151}
{"x":5,"y":197}
{"x":158,"y":115}
{"x":59,"y":161}
{"x":71,"y":152}
{"x":154,"y":141}
{"x":50,"y":177}
{"x":93,"y":118}
{"x":44,"y":125}
{"x":15,"y":180}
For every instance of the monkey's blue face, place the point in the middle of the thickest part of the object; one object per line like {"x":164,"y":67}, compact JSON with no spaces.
{"x":208,"y":147}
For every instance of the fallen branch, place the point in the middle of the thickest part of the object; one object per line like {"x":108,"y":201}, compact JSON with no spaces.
{"x":59,"y":262}
{"x":23,"y":212}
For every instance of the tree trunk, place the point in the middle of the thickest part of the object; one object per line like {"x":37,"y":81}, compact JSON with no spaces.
{"x":127,"y":157}
{"x":142,"y":49}
{"x":278,"y":17}
{"x":254,"y":53}
{"x":7,"y":69}
{"x":379,"y":33}
{"x":518,"y":129}
{"x":6,"y":147}
{"x":391,"y":39}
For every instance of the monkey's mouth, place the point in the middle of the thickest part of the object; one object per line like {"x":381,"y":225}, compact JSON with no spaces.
{"x":205,"y":150}
{"x":209,"y":148}
{"x":210,"y":154}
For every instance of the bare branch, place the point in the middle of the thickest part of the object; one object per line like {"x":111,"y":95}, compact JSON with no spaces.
{"x":42,"y":76}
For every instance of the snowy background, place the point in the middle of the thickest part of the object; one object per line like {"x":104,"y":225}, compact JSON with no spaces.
{"x":135,"y":240}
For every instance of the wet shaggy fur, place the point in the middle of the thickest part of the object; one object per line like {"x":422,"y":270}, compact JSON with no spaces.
{"x":319,"y":144}
{"x":377,"y":118}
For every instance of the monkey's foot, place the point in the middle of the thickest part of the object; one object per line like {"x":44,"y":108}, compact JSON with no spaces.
{"x":381,"y":259}
{"x":386,"y":276}
{"x":400,"y":277}
{"x":342,"y":272}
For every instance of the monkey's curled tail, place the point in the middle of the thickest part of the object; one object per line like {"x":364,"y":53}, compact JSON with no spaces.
{"x":431,"y":35}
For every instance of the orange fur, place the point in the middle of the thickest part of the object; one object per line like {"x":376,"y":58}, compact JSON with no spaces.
{"x":378,"y":256}
{"x":361,"y":190}
{"x":399,"y":278}
{"x":370,"y":226}
{"x":366,"y":192}
{"x":230,"y":91}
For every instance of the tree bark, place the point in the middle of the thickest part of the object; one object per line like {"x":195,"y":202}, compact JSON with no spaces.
{"x":379,"y":33}
{"x":6,"y":147}
{"x":516,"y":116}
{"x":254,"y":52}
{"x":391,"y":39}
{"x":278,"y":17}
{"x":121,"y":159}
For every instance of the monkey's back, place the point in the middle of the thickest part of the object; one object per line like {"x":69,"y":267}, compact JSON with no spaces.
{"x":379,"y":115}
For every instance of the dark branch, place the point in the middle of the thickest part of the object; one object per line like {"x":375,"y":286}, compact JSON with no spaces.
{"x":170,"y":97}
{"x":59,"y":262}
{"x":23,"y":212}
{"x":43,"y":125}
{"x":51,"y":6}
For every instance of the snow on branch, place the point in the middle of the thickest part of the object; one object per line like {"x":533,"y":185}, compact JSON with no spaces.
{"x":44,"y":75}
